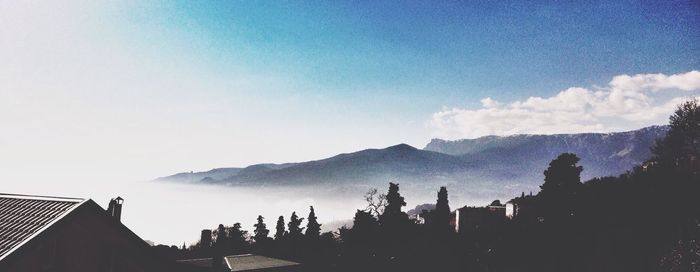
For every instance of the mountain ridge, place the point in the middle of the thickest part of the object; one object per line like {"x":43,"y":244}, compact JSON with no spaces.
{"x":476,"y":167}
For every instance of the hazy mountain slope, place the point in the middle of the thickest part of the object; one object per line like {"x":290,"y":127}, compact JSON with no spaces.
{"x":400,"y":161}
{"x":218,"y":174}
{"x":601,"y":153}
{"x":485,"y":168}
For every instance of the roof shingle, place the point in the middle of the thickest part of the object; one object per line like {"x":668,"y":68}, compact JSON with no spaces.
{"x":22,"y":217}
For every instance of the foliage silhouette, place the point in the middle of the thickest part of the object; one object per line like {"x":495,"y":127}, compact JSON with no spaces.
{"x":645,"y":220}
{"x":313,"y":228}
{"x":280,"y":232}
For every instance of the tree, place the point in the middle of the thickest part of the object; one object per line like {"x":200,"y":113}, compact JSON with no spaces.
{"x":440,"y":217}
{"x":364,"y":232}
{"x":375,"y":202}
{"x":313,"y":228}
{"x":681,"y":146}
{"x":392,"y":215}
{"x":220,"y":246}
{"x":238,"y":240}
{"x":279,"y":234}
{"x":562,"y":182}
{"x":221,"y":238}
{"x":563,"y":174}
{"x":364,"y":224}
{"x":294,"y":225}
{"x":261,"y":230}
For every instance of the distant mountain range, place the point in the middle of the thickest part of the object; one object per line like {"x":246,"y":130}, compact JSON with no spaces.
{"x":483,"y":167}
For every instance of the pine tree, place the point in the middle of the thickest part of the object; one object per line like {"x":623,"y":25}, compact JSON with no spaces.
{"x":279,"y":234}
{"x":261,"y":230}
{"x":313,"y":228}
{"x":294,"y":225}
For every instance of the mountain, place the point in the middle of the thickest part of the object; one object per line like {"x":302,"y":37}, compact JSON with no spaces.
{"x":396,"y":162}
{"x":601,"y":153}
{"x":482,"y":168}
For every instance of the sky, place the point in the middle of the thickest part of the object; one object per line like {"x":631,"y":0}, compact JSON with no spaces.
{"x":102,"y":92}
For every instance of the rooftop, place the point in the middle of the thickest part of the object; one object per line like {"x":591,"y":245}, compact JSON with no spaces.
{"x":253,"y":262}
{"x":244,"y":262}
{"x":23,"y":216}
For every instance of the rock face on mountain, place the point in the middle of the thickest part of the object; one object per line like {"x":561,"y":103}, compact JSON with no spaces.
{"x":484,"y":167}
{"x":601,"y":153}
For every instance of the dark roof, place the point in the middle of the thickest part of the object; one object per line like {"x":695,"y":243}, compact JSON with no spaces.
{"x":248,"y":262}
{"x":201,"y":262}
{"x":22,"y":217}
{"x":245,"y":262}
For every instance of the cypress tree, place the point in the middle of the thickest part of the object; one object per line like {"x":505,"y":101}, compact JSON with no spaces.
{"x":294,"y":225}
{"x":261,"y":230}
{"x":279,"y":234}
{"x":313,"y":228}
{"x":441,"y":214}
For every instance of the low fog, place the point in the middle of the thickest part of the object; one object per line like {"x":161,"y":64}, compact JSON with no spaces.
{"x":173,"y":213}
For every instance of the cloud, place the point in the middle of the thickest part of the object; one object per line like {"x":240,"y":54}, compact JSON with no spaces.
{"x":627,"y":102}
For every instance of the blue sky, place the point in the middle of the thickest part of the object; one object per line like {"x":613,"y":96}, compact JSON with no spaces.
{"x":160,"y":87}
{"x":471,"y":49}
{"x":96,"y":97}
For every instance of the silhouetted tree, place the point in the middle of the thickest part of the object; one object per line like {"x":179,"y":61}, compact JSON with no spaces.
{"x":279,"y":229}
{"x":238,"y":239}
{"x":221,"y":237}
{"x":220,"y":246}
{"x":563,"y":174}
{"x":261,"y":230}
{"x":681,"y":146}
{"x":393,"y":216}
{"x":676,"y":168}
{"x":313,"y":228}
{"x":440,"y":217}
{"x":361,"y":241}
{"x":376,"y":202}
{"x":294,"y":226}
{"x":365,"y":222}
{"x":562,"y":182}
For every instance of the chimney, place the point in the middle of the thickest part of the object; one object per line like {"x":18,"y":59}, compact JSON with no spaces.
{"x":115,"y":208}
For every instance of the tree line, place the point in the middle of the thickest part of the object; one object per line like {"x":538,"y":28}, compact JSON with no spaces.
{"x":647,"y":219}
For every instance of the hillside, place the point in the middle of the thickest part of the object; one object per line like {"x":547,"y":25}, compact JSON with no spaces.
{"x":483,"y":168}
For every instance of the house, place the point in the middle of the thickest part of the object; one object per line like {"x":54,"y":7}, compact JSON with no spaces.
{"x":245,"y":262}
{"x":41,"y":233}
{"x":523,"y":208}
{"x":474,"y":218}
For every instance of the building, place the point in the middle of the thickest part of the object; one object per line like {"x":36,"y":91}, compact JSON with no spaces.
{"x":40,"y":233}
{"x":245,"y":262}
{"x":523,"y":208}
{"x":474,"y":218}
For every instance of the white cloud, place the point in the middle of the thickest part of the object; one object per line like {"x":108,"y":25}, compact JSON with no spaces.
{"x":627,"y":102}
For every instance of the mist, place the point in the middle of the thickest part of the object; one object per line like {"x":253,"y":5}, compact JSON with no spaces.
{"x":175,"y":213}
